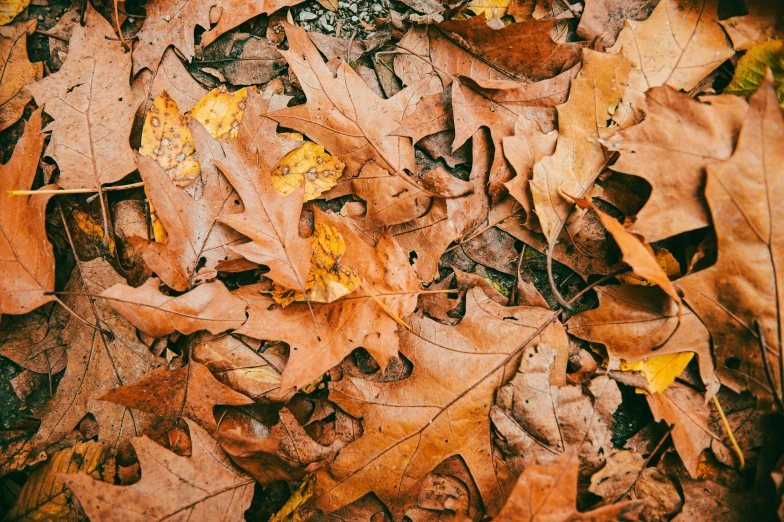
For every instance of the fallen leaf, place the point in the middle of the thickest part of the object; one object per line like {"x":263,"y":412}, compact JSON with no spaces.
{"x":259,"y":458}
{"x":668,"y":264}
{"x":756,"y":26}
{"x":678,"y":132}
{"x":310,"y":164}
{"x":207,"y":307}
{"x":618,"y":475}
{"x":604,"y":19}
{"x":221,"y":112}
{"x":753,"y":66}
{"x":191,"y":392}
{"x":204,"y":486}
{"x":290,"y":511}
{"x":406,"y":420}
{"x":97,"y":362}
{"x":244,"y":59}
{"x":678,"y":45}
{"x":18,"y":71}
{"x":548,"y":491}
{"x":28,"y":268}
{"x":659,"y":371}
{"x":489,"y":8}
{"x":390,"y":199}
{"x":93,"y":106}
{"x":34,"y":341}
{"x":10,"y":9}
{"x":523,"y":150}
{"x":707,"y":499}
{"x":738,"y":292}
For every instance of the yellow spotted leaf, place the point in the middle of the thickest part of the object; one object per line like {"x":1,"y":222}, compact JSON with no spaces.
{"x":310,"y":163}
{"x":660,"y":370}
{"x":328,"y":280}
{"x":290,"y":510}
{"x":666,"y":261}
{"x":167,"y":139}
{"x":752,"y":67}
{"x":9,"y":9}
{"x":44,"y":497}
{"x":489,"y":7}
{"x":221,"y":112}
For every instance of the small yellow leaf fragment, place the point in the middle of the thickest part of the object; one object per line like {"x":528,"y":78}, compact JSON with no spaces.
{"x":660,"y":370}
{"x":91,"y":228}
{"x":221,"y":112}
{"x":489,"y":7}
{"x":159,"y":233}
{"x":10,"y":9}
{"x":311,"y":163}
{"x":328,"y":279}
{"x":167,"y":139}
{"x":292,"y":136}
{"x":666,"y":261}
{"x":290,"y":510}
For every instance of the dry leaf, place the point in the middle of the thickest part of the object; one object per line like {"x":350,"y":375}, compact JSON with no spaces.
{"x":9,"y":9}
{"x":604,"y":19}
{"x":207,"y":307}
{"x":667,"y":263}
{"x":28,"y":268}
{"x":17,"y":71}
{"x":205,"y":486}
{"x":34,"y":341}
{"x":259,"y":458}
{"x":489,"y":8}
{"x":755,"y":27}
{"x":659,"y":371}
{"x":309,"y":163}
{"x":93,"y":106}
{"x":221,"y":112}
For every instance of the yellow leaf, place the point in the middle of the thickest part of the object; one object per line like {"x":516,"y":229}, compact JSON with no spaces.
{"x":167,"y":139}
{"x":753,"y":66}
{"x":660,"y":370}
{"x":292,"y":136}
{"x":667,"y":262}
{"x":92,"y":228}
{"x":221,"y":112}
{"x":44,"y":497}
{"x":328,"y":280}
{"x":290,"y":510}
{"x":9,"y":9}
{"x":310,"y":163}
{"x":489,"y":7}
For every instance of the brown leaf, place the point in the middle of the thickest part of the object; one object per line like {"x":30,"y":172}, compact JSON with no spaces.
{"x":17,"y":71}
{"x":678,"y":45}
{"x":34,"y":341}
{"x":193,"y":230}
{"x":410,"y":425}
{"x":207,"y":307}
{"x":354,"y":321}
{"x":707,"y":500}
{"x":548,"y":491}
{"x":244,"y":59}
{"x":678,"y":133}
{"x":637,"y":322}
{"x":739,"y":291}
{"x":755,"y":27}
{"x":190,"y":392}
{"x":259,"y":458}
{"x":205,"y":486}
{"x":93,"y":105}
{"x":257,"y":130}
{"x":97,"y":363}
{"x":604,"y":19}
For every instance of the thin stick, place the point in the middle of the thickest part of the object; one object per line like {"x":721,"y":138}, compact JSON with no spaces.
{"x":52,"y":35}
{"x":645,"y":464}
{"x":764,"y":350}
{"x":729,"y":432}
{"x":119,"y":29}
{"x":12,"y":193}
{"x":77,"y":316}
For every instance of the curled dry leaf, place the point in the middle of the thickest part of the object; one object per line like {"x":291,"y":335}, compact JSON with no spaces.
{"x":207,"y":307}
{"x":27,"y":270}
{"x":445,"y":398}
{"x":93,"y":106}
{"x":17,"y":71}
{"x":205,"y":486}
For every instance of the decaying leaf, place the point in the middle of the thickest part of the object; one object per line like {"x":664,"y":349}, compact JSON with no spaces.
{"x":309,"y":164}
{"x":9,"y":9}
{"x":205,"y":486}
{"x":34,"y":341}
{"x":221,"y":112}
{"x":17,"y":70}
{"x":752,"y":68}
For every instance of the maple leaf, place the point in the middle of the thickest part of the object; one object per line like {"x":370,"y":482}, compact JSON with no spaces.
{"x":683,"y":133}
{"x":18,"y":71}
{"x":548,"y":491}
{"x":635,"y":323}
{"x":205,"y":486}
{"x":190,"y":392}
{"x":93,"y":105}
{"x":97,"y":362}
{"x":192,"y":228}
{"x":412,"y":424}
{"x":207,"y":307}
{"x":27,"y":270}
{"x":579,"y":156}
{"x":365,"y":318}
{"x":678,"y":45}
{"x":736,"y":297}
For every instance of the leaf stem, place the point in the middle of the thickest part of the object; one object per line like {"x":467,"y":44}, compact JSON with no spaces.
{"x":12,"y":193}
{"x":729,"y":432}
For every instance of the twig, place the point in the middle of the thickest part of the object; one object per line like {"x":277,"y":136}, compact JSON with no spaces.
{"x":52,"y":35}
{"x":729,"y":432}
{"x":764,"y":350}
{"x":12,"y":193}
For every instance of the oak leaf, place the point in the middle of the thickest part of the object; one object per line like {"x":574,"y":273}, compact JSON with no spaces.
{"x":362,"y":319}
{"x":18,"y":71}
{"x":678,"y":45}
{"x":683,"y":133}
{"x":209,"y":307}
{"x":205,"y":486}
{"x":97,"y":362}
{"x":412,"y":424}
{"x":736,"y":297}
{"x":93,"y":105}
{"x":27,"y":270}
{"x":191,"y":392}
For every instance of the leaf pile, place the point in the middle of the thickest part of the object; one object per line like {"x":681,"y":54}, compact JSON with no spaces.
{"x":498,"y":260}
